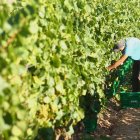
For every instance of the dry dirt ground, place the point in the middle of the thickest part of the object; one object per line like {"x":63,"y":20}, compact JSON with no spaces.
{"x":119,"y":124}
{"x":115,"y":123}
{"x":128,"y":125}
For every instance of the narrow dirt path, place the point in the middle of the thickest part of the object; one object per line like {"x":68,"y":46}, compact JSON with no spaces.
{"x":118,"y":124}
{"x":127,"y":126}
{"x":114,"y":123}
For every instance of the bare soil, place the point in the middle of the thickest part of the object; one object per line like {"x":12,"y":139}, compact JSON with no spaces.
{"x":114,"y":123}
{"x":128,"y":125}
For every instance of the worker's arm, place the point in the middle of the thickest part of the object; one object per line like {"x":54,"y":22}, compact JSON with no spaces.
{"x":118,"y":63}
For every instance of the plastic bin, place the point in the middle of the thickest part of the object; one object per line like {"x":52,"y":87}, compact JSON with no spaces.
{"x":130,"y":99}
{"x":90,"y":124}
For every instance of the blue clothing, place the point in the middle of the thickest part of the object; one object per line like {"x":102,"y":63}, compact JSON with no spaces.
{"x":132,"y":48}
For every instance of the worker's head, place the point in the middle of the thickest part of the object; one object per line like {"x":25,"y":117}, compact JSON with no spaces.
{"x":119,"y":46}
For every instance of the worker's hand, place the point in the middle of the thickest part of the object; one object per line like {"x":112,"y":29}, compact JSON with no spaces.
{"x":109,"y":68}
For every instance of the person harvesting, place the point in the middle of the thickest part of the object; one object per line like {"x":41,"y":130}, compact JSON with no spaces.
{"x":130,"y":47}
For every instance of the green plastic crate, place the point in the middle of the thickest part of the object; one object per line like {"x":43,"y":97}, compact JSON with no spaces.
{"x":130,"y":99}
{"x":90,"y":124}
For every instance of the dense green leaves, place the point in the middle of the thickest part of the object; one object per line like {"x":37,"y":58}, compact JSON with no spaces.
{"x":53,"y":52}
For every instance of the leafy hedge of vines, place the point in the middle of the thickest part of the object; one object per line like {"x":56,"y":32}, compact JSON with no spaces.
{"x":52,"y":52}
